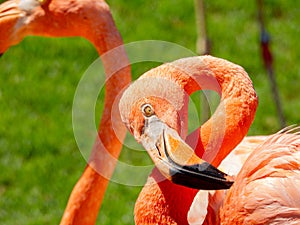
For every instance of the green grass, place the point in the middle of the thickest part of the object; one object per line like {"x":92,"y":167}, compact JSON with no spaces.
{"x":39,"y":159}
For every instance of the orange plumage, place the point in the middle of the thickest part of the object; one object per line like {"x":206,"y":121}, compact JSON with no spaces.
{"x":266,"y":191}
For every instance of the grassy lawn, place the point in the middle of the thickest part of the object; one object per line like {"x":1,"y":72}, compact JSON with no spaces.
{"x":39,"y":159}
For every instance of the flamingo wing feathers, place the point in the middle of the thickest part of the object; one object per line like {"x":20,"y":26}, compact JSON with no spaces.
{"x":206,"y":204}
{"x":266,"y":191}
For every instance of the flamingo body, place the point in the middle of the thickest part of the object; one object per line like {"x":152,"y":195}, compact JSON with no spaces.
{"x":266,"y":191}
{"x":206,"y":205}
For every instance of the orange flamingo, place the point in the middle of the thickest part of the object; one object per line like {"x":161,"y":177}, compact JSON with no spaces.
{"x":154,"y":109}
{"x":92,"y":20}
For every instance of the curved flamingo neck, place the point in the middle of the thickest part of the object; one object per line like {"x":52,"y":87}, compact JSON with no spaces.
{"x":235,"y":113}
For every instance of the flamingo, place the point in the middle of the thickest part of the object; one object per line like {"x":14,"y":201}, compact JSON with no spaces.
{"x":92,"y":20}
{"x":266,"y":186}
{"x":154,"y":109}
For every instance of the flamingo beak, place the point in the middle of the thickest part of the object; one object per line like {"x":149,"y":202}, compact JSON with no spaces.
{"x":177,"y":161}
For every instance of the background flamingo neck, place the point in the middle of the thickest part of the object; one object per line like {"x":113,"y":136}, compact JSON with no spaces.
{"x":87,"y":195}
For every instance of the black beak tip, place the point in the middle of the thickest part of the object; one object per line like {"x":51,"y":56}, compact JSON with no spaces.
{"x":1,"y":54}
{"x":196,"y":183}
{"x":200,"y":176}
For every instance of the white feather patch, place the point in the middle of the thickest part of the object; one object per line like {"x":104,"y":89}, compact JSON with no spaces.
{"x":198,"y":209}
{"x":28,"y":5}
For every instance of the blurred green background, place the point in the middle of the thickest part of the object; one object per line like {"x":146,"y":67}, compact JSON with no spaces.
{"x":39,"y":159}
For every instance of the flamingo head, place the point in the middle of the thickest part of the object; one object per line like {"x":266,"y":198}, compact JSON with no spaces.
{"x":151,"y":108}
{"x":53,"y":18}
{"x":14,"y":20}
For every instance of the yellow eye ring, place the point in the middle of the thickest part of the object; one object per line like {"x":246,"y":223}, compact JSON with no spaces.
{"x":42,"y":1}
{"x":147,"y":110}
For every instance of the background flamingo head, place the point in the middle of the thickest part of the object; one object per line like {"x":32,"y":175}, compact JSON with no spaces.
{"x":54,"y":18}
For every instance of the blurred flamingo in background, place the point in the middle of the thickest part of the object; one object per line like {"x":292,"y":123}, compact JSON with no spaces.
{"x":154,"y":109}
{"x":92,"y":20}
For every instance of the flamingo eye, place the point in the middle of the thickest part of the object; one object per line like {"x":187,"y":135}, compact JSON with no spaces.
{"x":42,"y":1}
{"x":147,"y":110}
